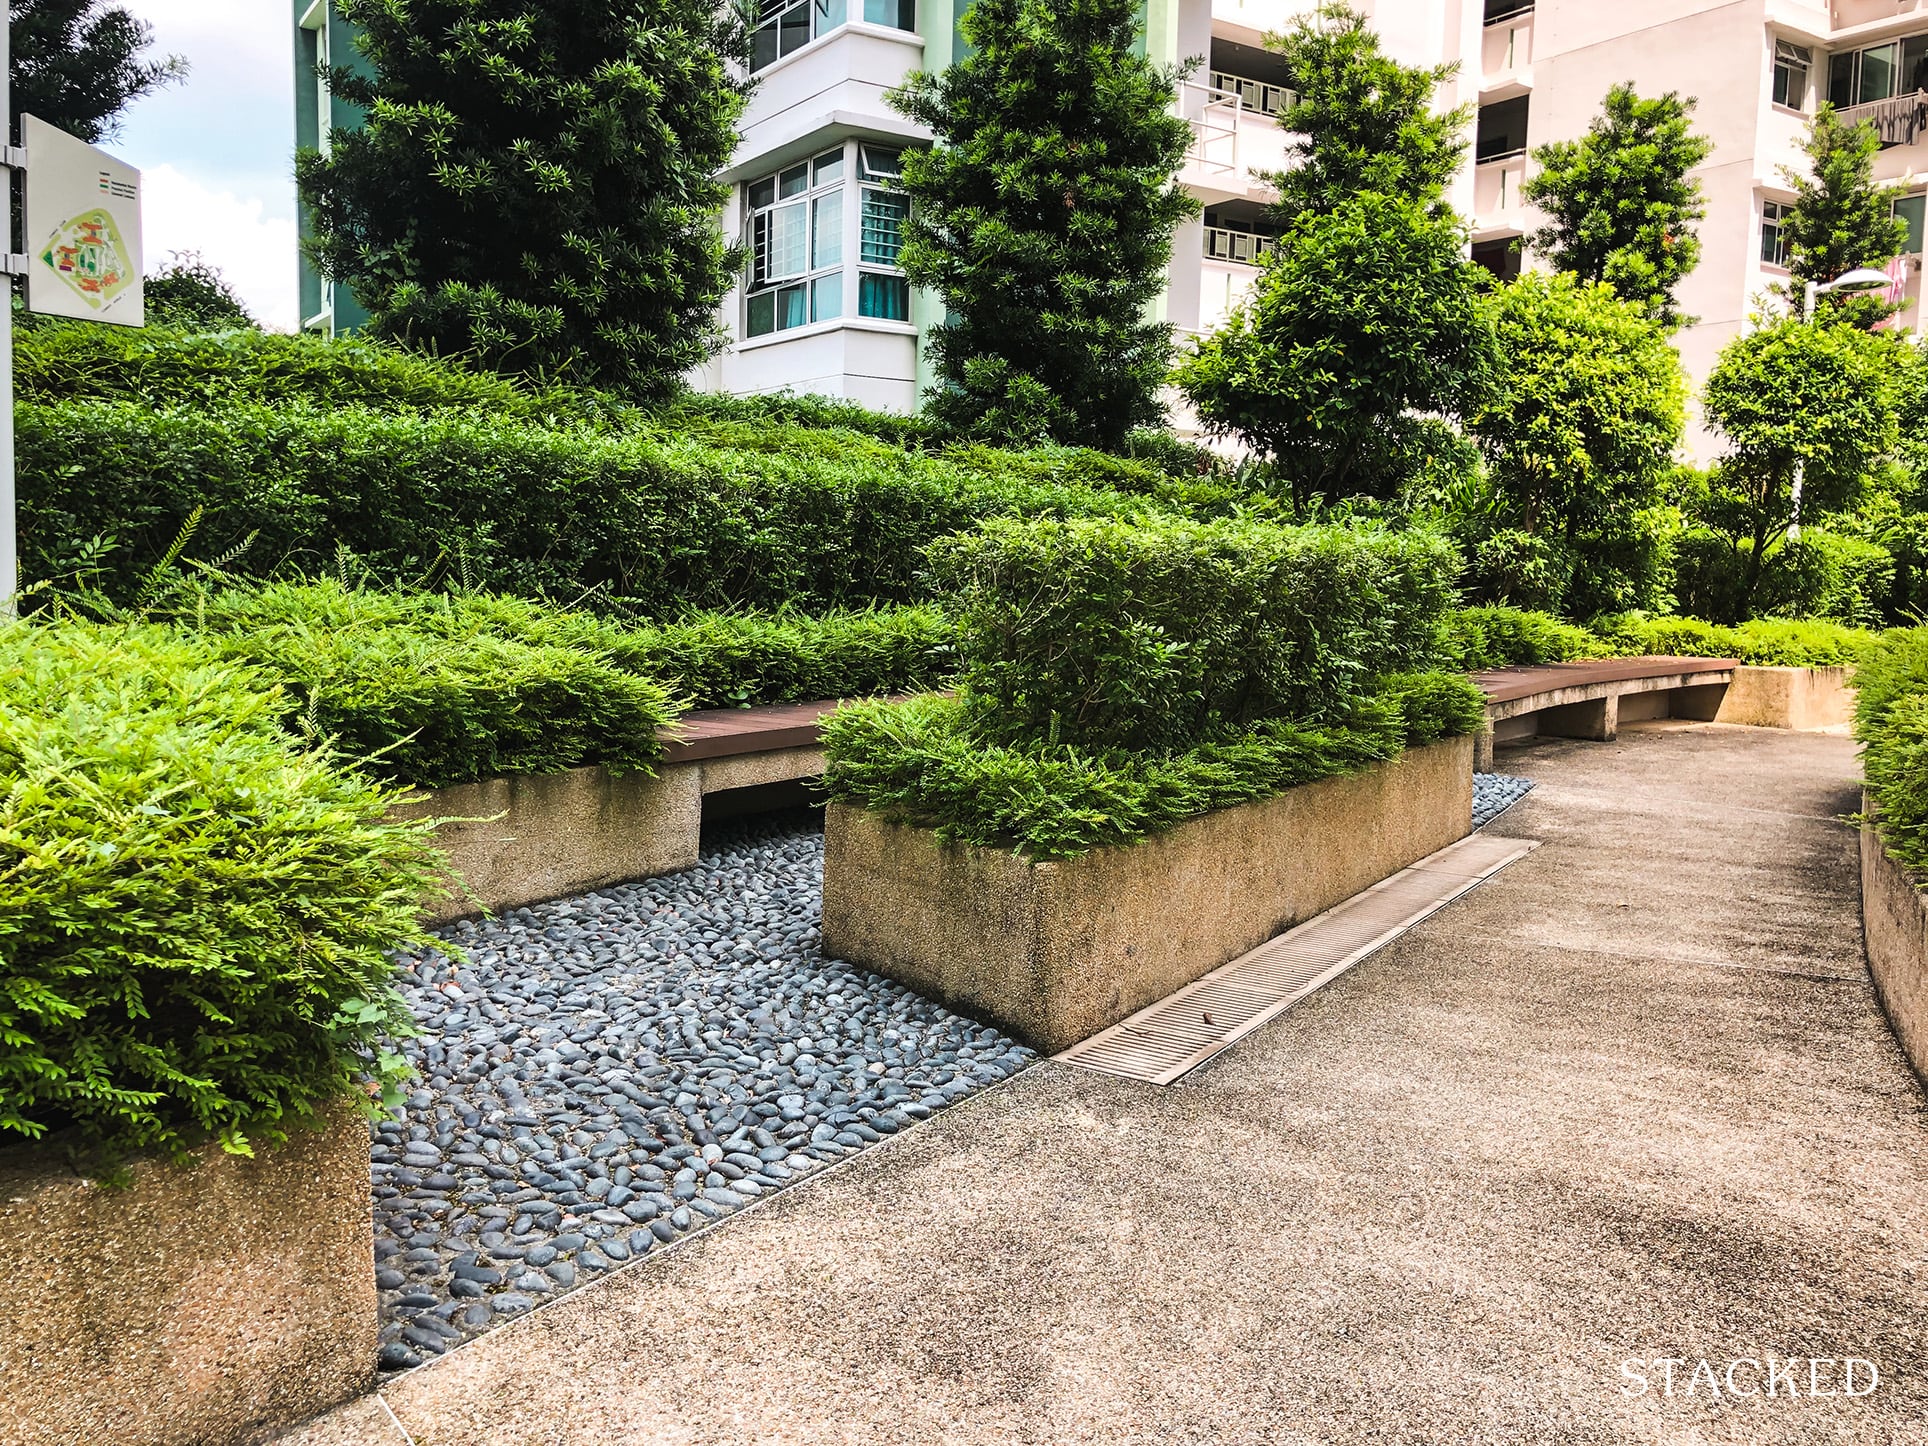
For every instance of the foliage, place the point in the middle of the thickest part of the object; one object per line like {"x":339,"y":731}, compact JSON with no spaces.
{"x":1619,"y":201}
{"x":1822,"y":575}
{"x":196,"y":914}
{"x":925,"y":762}
{"x":707,"y":660}
{"x":811,"y":519}
{"x":1116,"y":634}
{"x":190,"y":293}
{"x":1043,"y":218}
{"x":1792,"y":399}
{"x":1840,"y":219}
{"x":1362,"y":314}
{"x":536,"y":186}
{"x":1494,"y":636}
{"x":1361,"y":121}
{"x":78,"y":64}
{"x":1761,"y":642}
{"x":1891,"y":724}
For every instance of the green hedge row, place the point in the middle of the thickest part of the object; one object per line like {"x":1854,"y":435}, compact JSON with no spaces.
{"x":1159,"y":634}
{"x":1891,"y":724}
{"x":1496,"y":636}
{"x":812,"y":520}
{"x":924,"y":762}
{"x":194,"y":913}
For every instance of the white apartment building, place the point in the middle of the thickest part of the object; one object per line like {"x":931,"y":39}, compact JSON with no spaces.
{"x":824,"y":309}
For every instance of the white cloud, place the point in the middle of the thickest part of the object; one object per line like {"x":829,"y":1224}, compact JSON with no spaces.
{"x":253,"y":249}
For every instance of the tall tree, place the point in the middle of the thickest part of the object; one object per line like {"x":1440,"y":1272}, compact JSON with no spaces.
{"x":1619,"y":201}
{"x":1841,"y":219}
{"x":1043,"y":217}
{"x":1364,"y":315}
{"x":535,"y":185}
{"x":78,"y":64}
{"x":1361,"y":120}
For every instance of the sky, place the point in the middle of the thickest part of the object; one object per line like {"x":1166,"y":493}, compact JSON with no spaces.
{"x":216,"y":151}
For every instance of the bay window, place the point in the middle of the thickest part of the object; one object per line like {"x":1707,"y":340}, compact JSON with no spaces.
{"x":816,"y":255}
{"x":786,"y":26}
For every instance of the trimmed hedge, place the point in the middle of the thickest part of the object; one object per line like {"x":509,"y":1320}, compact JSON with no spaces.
{"x":812,"y":521}
{"x":925,"y":762}
{"x":1497,"y":636}
{"x":1891,"y":724}
{"x":1161,"y":634}
{"x":195,"y":913}
{"x":1763,"y":642}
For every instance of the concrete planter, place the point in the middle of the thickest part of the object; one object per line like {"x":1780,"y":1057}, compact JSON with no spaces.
{"x":530,"y":838}
{"x":199,"y":1306}
{"x":1796,"y":698}
{"x":1894,"y":918}
{"x":1054,"y":952}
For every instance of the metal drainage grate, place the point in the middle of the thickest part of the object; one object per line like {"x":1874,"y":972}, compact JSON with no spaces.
{"x":1168,"y":1039}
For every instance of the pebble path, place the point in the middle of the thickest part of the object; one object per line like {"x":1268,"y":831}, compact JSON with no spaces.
{"x":607,"y":1073}
{"x":1494,"y":793}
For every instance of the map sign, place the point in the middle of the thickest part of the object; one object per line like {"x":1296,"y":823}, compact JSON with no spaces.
{"x":83,"y":229}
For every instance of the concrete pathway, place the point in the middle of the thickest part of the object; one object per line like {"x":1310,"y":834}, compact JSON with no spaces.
{"x":1632,"y":1099}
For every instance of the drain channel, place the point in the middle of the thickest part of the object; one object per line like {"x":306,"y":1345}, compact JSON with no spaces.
{"x":1166,"y":1040}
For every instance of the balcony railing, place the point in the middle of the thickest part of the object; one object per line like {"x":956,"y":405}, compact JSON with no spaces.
{"x":1899,"y":120}
{"x":1258,"y":95}
{"x":1504,"y":10}
{"x":1224,"y":244}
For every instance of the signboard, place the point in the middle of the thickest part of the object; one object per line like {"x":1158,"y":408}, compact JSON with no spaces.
{"x":83,"y":229}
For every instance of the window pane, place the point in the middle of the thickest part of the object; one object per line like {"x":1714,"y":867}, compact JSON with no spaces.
{"x":879,"y":164}
{"x":1877,"y":73}
{"x":1841,"y":78}
{"x":887,"y":297}
{"x":1790,"y":85}
{"x":788,"y":247}
{"x":762,"y":192}
{"x":883,"y":227}
{"x":796,"y":28}
{"x":830,"y":14}
{"x":1914,"y":64}
{"x":763,"y":46}
{"x":829,"y":167}
{"x":763,"y":313}
{"x":793,"y":306}
{"x":826,"y":297}
{"x":827,"y":229}
{"x":794,"y":182}
{"x":1913,"y":210}
{"x":898,"y":14}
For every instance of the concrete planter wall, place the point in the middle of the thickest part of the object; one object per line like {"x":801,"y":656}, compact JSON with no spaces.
{"x":526,"y":839}
{"x":1894,"y":917}
{"x":1054,"y":952}
{"x":1796,"y":698}
{"x":199,"y":1306}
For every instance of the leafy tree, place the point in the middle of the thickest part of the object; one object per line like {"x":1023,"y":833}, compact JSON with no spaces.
{"x":536,"y":184}
{"x":78,"y":64}
{"x":1813,"y":400}
{"x":1579,"y":432}
{"x":1841,"y":219}
{"x":1620,"y":204}
{"x":1363,"y":315}
{"x":189,"y":293}
{"x":1044,"y":218}
{"x":1362,"y":121}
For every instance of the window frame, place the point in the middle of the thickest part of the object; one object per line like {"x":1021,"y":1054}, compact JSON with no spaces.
{"x":1791,"y":59}
{"x":815,"y":279}
{"x":813,"y":20}
{"x":1917,"y":201}
{"x":1773,"y":219}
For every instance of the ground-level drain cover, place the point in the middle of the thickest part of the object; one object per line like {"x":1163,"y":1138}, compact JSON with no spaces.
{"x":1165,"y":1040}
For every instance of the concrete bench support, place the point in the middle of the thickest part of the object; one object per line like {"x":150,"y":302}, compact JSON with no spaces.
{"x":1597,"y":719}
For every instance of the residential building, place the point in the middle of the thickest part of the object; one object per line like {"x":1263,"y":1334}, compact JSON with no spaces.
{"x":824,"y":309}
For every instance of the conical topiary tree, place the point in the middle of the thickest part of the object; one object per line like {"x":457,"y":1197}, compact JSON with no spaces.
{"x":535,"y":185}
{"x":1044,"y":219}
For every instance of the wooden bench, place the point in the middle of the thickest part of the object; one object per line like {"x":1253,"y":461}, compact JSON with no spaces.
{"x":1592,"y":700}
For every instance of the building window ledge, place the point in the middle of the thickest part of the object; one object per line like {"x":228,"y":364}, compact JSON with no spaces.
{"x":850,"y":27}
{"x":824,"y":328}
{"x":1780,"y":109}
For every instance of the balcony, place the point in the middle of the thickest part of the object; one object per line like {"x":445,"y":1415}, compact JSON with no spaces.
{"x":1899,"y":120}
{"x":1224,"y":244}
{"x":1506,"y":49}
{"x":1255,"y":95}
{"x":1232,"y":143}
{"x":1496,"y":194}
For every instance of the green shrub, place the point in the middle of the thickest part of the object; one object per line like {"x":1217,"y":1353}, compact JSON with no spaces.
{"x":1159,"y":634}
{"x":1479,"y":638}
{"x":1891,"y":724}
{"x":924,"y":762}
{"x":194,"y":914}
{"x":708,"y":660}
{"x":1763,"y":642}
{"x":510,"y":507}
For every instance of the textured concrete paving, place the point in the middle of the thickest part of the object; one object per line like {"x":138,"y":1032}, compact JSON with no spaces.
{"x":1631,"y":1099}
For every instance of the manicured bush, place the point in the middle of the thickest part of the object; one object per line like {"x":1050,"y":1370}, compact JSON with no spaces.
{"x":1763,"y":642}
{"x":1891,"y":724}
{"x":195,"y":911}
{"x":513,"y":507}
{"x":925,"y":762}
{"x":1496,"y":637}
{"x":706,"y":660}
{"x":1161,"y":634}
